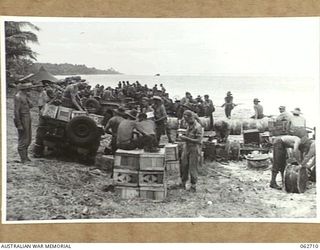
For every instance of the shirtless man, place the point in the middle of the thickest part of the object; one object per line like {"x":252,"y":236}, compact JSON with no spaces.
{"x":70,"y":97}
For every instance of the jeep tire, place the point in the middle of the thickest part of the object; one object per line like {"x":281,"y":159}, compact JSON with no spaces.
{"x":92,"y":105}
{"x":82,"y":131}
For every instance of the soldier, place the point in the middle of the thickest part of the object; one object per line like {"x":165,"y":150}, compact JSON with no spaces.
{"x":222,"y":130}
{"x":228,"y":104}
{"x":146,"y":108}
{"x":22,"y":119}
{"x":280,"y":155}
{"x":70,"y":97}
{"x":125,"y":133}
{"x":190,"y":159}
{"x":258,"y":109}
{"x":43,"y":97}
{"x":147,"y":129}
{"x":113,"y":125}
{"x":208,"y":109}
{"x":160,"y":116}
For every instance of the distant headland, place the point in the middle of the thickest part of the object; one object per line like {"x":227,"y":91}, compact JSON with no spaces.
{"x":72,"y":69}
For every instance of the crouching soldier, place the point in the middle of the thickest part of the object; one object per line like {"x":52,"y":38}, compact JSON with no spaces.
{"x":308,"y":147}
{"x":280,"y":155}
{"x":112,"y":127}
{"x":222,"y":130}
{"x":190,"y":158}
{"x":147,"y":140}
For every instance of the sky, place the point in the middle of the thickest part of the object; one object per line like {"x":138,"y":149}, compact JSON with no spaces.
{"x":248,"y":46}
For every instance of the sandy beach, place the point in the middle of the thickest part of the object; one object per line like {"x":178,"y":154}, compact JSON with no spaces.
{"x":51,"y":188}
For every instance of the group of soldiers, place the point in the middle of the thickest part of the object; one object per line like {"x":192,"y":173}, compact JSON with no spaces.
{"x":143,"y":127}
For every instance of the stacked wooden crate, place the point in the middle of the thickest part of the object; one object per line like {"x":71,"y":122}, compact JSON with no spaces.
{"x":172,"y":158}
{"x":138,"y":173}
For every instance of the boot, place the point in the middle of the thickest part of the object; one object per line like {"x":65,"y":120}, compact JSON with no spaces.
{"x":193,"y":188}
{"x":27,"y":157}
{"x":273,"y":183}
{"x":22,"y":153}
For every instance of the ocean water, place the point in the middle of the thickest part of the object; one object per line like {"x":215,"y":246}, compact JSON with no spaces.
{"x":291,"y":92}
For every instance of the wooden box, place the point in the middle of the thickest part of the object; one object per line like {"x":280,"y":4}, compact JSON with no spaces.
{"x":49,"y":111}
{"x":173,"y":166}
{"x":124,"y":177}
{"x":105,"y":162}
{"x":127,"y":159}
{"x":127,"y":192}
{"x":171,"y":152}
{"x":152,"y":161}
{"x":251,"y":136}
{"x":64,"y":114}
{"x":278,"y":127}
{"x":97,"y":118}
{"x":152,"y":179}
{"x":76,"y":113}
{"x":153,"y":193}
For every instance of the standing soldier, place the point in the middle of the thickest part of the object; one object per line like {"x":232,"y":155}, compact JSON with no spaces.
{"x":228,"y":104}
{"x":160,"y":118}
{"x":146,"y":108}
{"x":208,"y":109}
{"x":190,"y":159}
{"x":43,"y":97}
{"x":22,"y":119}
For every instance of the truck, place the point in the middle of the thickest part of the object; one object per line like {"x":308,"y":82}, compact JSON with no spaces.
{"x":69,"y":132}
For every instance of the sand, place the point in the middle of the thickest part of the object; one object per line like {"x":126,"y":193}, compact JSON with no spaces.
{"x":51,"y":188}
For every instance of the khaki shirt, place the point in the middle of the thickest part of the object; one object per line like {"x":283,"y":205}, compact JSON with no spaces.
{"x":194,"y":131}
{"x":22,"y":106}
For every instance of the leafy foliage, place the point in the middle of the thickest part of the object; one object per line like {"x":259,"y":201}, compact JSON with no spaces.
{"x":18,"y":53}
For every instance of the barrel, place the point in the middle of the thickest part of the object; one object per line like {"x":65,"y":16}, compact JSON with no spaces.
{"x":238,"y":125}
{"x":295,"y":178}
{"x":235,"y":126}
{"x":205,"y":123}
{"x":173,"y":123}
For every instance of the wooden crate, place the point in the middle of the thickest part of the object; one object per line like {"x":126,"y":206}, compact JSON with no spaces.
{"x":127,"y":192}
{"x":97,"y":118}
{"x":64,"y":114}
{"x":278,"y":127}
{"x":171,"y":152}
{"x":76,"y":113}
{"x":153,"y":193}
{"x":152,"y":179}
{"x":127,"y":159}
{"x":124,"y":177}
{"x":49,"y":111}
{"x":105,"y":162}
{"x":173,"y":166}
{"x":251,"y":136}
{"x":152,"y":161}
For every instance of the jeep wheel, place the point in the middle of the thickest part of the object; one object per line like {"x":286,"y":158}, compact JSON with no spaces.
{"x":92,"y":105}
{"x":82,"y":130}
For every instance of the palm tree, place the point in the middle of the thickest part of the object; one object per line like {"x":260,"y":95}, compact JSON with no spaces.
{"x":16,"y":45}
